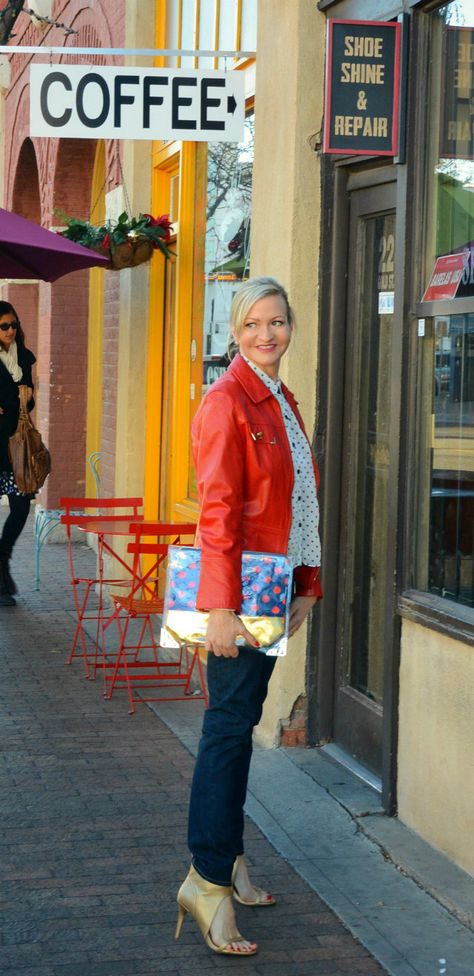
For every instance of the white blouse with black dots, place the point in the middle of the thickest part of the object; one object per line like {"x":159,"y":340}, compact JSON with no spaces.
{"x":304,"y":547}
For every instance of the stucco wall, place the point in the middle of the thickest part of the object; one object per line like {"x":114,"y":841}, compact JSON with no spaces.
{"x":285,"y":228}
{"x":436,"y":741}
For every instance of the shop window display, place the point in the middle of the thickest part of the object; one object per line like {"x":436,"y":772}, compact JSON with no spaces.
{"x":445,"y":538}
{"x":221,"y":257}
{"x":227,"y":249}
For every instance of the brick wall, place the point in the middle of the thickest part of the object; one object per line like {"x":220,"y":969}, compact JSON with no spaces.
{"x":42,"y":176}
{"x":293,"y":731}
{"x":109,"y":382}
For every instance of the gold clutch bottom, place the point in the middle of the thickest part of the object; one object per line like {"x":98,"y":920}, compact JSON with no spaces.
{"x":190,"y":627}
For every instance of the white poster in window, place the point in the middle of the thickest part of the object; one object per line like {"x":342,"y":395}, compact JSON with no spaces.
{"x":386,"y":302}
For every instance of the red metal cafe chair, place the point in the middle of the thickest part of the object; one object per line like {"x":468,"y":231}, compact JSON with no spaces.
{"x":140,"y":663}
{"x":94,"y":515}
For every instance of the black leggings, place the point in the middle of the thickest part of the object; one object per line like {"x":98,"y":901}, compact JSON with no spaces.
{"x":15,"y":523}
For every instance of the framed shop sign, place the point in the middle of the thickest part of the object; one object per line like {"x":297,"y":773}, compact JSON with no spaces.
{"x":98,"y":102}
{"x":361,"y":115}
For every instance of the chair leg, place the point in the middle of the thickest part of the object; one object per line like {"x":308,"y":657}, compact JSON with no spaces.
{"x":121,"y":661}
{"x":197,"y":658}
{"x":79,"y":632}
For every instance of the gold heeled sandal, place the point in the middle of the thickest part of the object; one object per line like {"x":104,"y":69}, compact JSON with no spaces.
{"x":262,"y":899}
{"x":202,"y":899}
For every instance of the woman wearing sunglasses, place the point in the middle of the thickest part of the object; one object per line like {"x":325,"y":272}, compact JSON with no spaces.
{"x":16,"y":362}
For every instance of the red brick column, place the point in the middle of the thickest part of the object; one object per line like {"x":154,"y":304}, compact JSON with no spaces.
{"x":62,"y":380}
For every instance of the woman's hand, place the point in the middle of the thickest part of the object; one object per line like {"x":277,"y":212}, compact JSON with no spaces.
{"x":299,"y":610}
{"x":1,"y":410}
{"x":222,"y":630}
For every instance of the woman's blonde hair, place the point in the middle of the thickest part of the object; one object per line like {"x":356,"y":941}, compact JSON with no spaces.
{"x":247,"y":294}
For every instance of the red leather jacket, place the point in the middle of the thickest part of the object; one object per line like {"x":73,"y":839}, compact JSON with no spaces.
{"x":244,"y":473}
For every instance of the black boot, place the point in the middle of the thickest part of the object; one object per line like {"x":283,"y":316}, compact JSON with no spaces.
{"x":6,"y":580}
{"x":6,"y":599}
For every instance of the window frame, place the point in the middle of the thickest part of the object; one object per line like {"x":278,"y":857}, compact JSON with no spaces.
{"x":427,"y":609}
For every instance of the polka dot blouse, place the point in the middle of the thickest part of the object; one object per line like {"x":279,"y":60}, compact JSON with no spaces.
{"x":304,"y":547}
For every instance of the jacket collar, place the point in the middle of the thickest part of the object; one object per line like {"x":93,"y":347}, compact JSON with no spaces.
{"x":252,"y":384}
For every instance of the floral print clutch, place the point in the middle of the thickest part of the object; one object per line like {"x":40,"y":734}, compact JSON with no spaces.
{"x":266,"y":597}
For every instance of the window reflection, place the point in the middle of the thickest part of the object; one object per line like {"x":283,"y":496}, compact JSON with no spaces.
{"x":445,"y":550}
{"x":227,"y":249}
{"x":452,"y":490}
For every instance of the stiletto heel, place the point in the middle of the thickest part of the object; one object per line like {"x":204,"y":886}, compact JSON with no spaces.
{"x":262,"y":899}
{"x":202,"y":899}
{"x":179,"y":923}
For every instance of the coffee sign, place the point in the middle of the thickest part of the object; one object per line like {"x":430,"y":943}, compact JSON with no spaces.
{"x":362,"y":88}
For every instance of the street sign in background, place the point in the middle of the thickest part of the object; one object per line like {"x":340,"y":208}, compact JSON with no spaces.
{"x":96,"y":102}
{"x":361,"y":109}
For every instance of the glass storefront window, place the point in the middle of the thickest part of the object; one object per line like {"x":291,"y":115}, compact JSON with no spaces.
{"x":445,"y":490}
{"x":227,"y":250}
{"x":222,"y":257}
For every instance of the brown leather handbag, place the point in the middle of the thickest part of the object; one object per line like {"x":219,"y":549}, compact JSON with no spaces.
{"x":30,"y":459}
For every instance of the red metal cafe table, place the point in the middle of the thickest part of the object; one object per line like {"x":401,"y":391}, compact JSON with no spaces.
{"x":134,"y":660}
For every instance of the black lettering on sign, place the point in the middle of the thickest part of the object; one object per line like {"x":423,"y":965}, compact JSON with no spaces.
{"x":207,"y":102}
{"x":121,"y":99}
{"x":178,"y":100}
{"x":149,"y":99}
{"x":55,"y":120}
{"x":98,"y":120}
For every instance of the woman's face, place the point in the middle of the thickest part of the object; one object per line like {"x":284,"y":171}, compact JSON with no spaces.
{"x":265,"y":334}
{"x":7,"y":336}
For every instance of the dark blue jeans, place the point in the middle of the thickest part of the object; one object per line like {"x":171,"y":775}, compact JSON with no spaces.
{"x":237,"y":691}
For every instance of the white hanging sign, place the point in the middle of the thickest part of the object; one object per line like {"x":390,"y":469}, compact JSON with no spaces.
{"x":97,"y":102}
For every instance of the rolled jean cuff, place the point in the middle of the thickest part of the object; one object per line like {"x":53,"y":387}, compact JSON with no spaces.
{"x":214,"y":881}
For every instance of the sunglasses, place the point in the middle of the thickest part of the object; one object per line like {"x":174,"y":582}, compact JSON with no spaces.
{"x":5,"y":326}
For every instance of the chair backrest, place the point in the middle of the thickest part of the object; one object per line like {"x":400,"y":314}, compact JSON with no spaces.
{"x":171,"y":531}
{"x":146,"y":573}
{"x":93,"y":461}
{"x":76,"y":509}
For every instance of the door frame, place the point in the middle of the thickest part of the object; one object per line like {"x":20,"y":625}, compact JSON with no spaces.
{"x":338,"y":181}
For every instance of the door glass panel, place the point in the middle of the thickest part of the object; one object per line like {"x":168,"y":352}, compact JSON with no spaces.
{"x":370,"y":464}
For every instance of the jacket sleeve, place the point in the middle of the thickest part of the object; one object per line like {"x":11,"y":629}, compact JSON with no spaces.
{"x":219,"y":458}
{"x":27,"y":362}
{"x":307,"y":581}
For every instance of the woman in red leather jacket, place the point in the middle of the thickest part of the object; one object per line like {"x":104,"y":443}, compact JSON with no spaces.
{"x":257,"y":483}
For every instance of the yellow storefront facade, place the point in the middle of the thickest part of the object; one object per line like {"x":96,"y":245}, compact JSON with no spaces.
{"x":382,"y":676}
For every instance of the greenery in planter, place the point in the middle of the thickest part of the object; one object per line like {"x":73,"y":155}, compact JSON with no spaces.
{"x":126,"y":241}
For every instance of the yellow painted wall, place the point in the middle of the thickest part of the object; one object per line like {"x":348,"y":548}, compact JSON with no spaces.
{"x":436,"y":741}
{"x":95,"y":337}
{"x":285,"y":229}
{"x":134,"y":290}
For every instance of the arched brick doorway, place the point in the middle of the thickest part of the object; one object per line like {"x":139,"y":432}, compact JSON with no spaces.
{"x":65,"y":306}
{"x":26,"y":202}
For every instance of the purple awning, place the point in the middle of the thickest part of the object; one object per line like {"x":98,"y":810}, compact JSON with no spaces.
{"x":30,"y":251}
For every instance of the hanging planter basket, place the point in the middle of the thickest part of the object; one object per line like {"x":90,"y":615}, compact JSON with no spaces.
{"x":129,"y":254}
{"x":126,"y":242}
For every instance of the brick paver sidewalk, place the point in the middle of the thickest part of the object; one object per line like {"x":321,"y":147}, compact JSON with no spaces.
{"x":93,"y":814}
